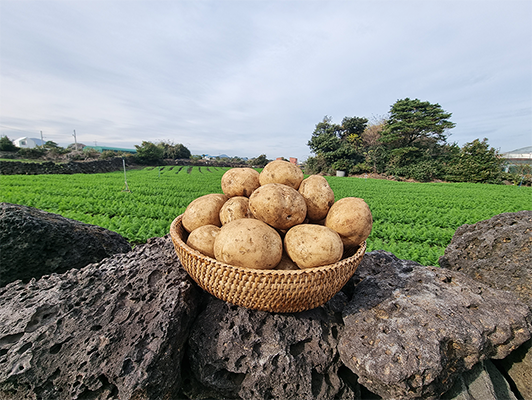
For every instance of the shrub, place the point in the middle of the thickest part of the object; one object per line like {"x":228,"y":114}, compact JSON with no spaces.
{"x":7,"y":145}
{"x":361,"y":168}
{"x":149,"y":153}
{"x":315,"y":165}
{"x":31,"y":153}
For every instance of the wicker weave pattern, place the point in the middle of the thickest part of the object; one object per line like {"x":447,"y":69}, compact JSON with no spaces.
{"x":267,"y":290}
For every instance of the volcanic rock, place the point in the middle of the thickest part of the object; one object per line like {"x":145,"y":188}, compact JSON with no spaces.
{"x":112,"y":330}
{"x":518,"y":366}
{"x":482,"y":382}
{"x":497,"y":251}
{"x":411,"y":330}
{"x":134,"y":326}
{"x":239,"y":353}
{"x":34,"y":243}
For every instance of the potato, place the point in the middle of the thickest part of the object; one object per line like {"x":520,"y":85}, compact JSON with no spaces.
{"x":240,"y":182}
{"x":204,"y":210}
{"x":318,"y":195}
{"x":202,"y":239}
{"x":286,"y":264}
{"x":280,"y":171}
{"x":352,"y":219}
{"x":248,"y":243}
{"x":235,"y":208}
{"x":278,"y":205}
{"x":311,"y":245}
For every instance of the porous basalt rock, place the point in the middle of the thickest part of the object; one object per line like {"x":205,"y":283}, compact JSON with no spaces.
{"x":239,"y":353}
{"x":134,"y":326}
{"x":112,"y":330}
{"x":411,"y":330}
{"x":400,"y":329}
{"x":34,"y":243}
{"x":518,"y":367}
{"x":497,"y":251}
{"x":484,"y":381}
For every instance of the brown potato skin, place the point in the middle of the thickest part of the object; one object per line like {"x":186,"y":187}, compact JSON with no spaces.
{"x":286,"y":264}
{"x":278,"y":205}
{"x":202,"y":239}
{"x":352,"y":219}
{"x":248,"y":243}
{"x":318,"y":195}
{"x":280,"y":171}
{"x":204,"y":210}
{"x":235,"y":208}
{"x":310,"y":245}
{"x":240,"y":182}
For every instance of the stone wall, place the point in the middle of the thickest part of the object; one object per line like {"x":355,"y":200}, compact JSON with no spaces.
{"x":94,"y":167}
{"x":49,"y":167}
{"x":135,"y":326}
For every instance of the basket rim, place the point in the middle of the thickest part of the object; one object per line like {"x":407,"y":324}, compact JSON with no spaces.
{"x":303,"y":271}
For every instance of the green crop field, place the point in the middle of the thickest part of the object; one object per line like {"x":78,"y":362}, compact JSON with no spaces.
{"x":414,"y":221}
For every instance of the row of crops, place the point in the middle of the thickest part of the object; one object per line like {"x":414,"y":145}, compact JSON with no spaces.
{"x":414,"y":221}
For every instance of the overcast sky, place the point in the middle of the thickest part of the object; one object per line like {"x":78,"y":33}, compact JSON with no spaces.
{"x":254,"y":77}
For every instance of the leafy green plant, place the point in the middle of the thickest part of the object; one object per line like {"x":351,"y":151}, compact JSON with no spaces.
{"x":414,"y":221}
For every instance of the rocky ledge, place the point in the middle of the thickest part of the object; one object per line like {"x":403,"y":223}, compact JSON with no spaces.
{"x":134,"y":326}
{"x":34,"y":243}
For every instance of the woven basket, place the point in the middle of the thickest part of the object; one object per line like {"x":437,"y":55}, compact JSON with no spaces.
{"x":266,"y":290}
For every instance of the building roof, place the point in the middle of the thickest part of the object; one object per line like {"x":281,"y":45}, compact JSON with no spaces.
{"x":107,"y":148}
{"x":38,"y":142}
{"x":522,"y":150}
{"x":522,"y":153}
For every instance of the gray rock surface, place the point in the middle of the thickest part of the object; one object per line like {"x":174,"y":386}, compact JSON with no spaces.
{"x":134,"y":326}
{"x":34,"y":243}
{"x":482,"y":382}
{"x":112,"y":330}
{"x":497,"y":251}
{"x":518,"y":367}
{"x":400,"y":329}
{"x":411,"y":330}
{"x":235,"y":352}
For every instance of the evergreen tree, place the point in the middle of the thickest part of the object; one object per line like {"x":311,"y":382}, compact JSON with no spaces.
{"x":477,"y":162}
{"x":416,"y":123}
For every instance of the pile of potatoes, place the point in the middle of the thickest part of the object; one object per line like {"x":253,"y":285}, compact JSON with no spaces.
{"x":276,"y":219}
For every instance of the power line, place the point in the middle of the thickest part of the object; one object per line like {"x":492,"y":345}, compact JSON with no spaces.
{"x":16,"y":129}
{"x":29,"y":133}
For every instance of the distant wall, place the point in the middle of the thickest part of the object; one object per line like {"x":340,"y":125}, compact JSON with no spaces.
{"x":34,"y":168}
{"x":204,"y":163}
{"x":92,"y":167}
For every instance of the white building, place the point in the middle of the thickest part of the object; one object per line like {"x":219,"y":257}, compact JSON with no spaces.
{"x":518,"y":157}
{"x":27,"y":143}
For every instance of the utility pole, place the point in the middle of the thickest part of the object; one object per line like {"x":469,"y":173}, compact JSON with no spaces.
{"x":126,"y":187}
{"x":75,"y":140}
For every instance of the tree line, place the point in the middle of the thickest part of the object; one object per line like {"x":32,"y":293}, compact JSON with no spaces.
{"x":147,"y":153}
{"x":411,"y":142}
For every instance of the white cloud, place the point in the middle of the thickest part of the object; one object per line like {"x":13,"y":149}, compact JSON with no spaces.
{"x":252,"y":77}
